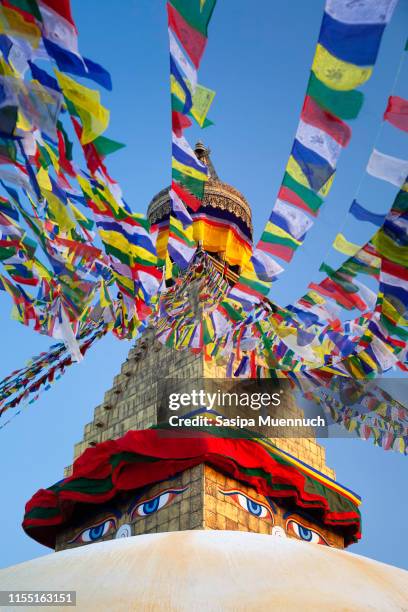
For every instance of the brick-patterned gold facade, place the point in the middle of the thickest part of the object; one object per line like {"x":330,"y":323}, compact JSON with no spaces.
{"x":133,"y":401}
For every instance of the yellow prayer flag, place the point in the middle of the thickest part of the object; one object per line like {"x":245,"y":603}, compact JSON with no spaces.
{"x":94,"y":116}
{"x":323,"y":191}
{"x":41,"y":270}
{"x":77,"y":214}
{"x":316,"y":297}
{"x":169,"y":267}
{"x":201,"y":176}
{"x":43,"y":179}
{"x":275,"y":230}
{"x":342,"y":245}
{"x":22,"y":123}
{"x":53,"y":157}
{"x":202,"y":100}
{"x":13,"y":24}
{"x":295,"y":171}
{"x":368,"y":360}
{"x":389,"y":311}
{"x":58,"y":211}
{"x":337,"y":74}
{"x":85,"y":186}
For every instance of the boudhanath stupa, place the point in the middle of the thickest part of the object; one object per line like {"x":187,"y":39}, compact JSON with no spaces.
{"x":147,"y":518}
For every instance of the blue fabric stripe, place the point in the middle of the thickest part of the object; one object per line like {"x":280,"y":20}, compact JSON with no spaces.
{"x":43,"y":77}
{"x":362,"y":214}
{"x":183,"y":157}
{"x":176,"y":256}
{"x":354,"y":43}
{"x":398,"y":233}
{"x":137,"y":239}
{"x":398,"y":293}
{"x":180,"y":80}
{"x":316,"y":168}
{"x":73,"y":64}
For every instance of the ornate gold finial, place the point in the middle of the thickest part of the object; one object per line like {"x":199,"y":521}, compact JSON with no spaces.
{"x":203,"y":154}
{"x":217,"y":195}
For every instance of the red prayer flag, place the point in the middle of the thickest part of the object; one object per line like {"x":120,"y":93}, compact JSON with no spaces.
{"x":313,"y":114}
{"x":186,"y":197}
{"x":290,"y":196}
{"x":179,"y":122}
{"x":192,"y":40}
{"x":396,"y":112}
{"x":62,"y":8}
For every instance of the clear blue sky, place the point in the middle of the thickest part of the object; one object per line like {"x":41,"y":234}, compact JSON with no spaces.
{"x":258,"y":60}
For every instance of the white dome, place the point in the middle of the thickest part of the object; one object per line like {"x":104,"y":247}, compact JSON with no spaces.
{"x":213,"y":570}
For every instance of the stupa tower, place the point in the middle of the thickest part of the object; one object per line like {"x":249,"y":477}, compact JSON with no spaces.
{"x":134,"y":474}
{"x":132,"y":402}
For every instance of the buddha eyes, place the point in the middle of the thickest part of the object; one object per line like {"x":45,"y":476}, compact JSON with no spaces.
{"x":249,"y":504}
{"x":304,"y":533}
{"x":156,"y":503}
{"x":96,"y":532}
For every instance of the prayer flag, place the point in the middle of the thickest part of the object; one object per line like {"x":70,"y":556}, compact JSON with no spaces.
{"x":388,"y":168}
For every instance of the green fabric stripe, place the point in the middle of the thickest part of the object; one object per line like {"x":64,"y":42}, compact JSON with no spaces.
{"x":193,"y":185}
{"x":258,"y":286}
{"x":28,"y":6}
{"x":309,"y":197}
{"x":183,"y":238}
{"x":233,"y":314}
{"x":284,"y":241}
{"x":123,"y":257}
{"x":352,"y":266}
{"x":5,"y":253}
{"x":42,"y":513}
{"x":343,"y":104}
{"x":401,"y":202}
{"x":197,"y":15}
{"x":207,"y":335}
{"x":8,"y":149}
{"x":336,"y":276}
{"x":393,"y":329}
{"x":106,"y":146}
{"x":87,"y":485}
{"x":68,"y":144}
{"x":176,"y":104}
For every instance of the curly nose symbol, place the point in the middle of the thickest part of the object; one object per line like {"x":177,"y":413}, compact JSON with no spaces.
{"x":124,"y":531}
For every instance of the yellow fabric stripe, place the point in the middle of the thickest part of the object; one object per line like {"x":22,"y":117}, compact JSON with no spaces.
{"x":221,"y":240}
{"x":337,"y":74}
{"x":118,"y":241}
{"x":342,"y":245}
{"x":271,"y":228}
{"x":201,"y":176}
{"x":304,"y":468}
{"x":296,"y":172}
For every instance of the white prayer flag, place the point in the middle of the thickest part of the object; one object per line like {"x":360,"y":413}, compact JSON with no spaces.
{"x":388,"y":168}
{"x":319,"y":141}
{"x":361,"y":11}
{"x":298,"y":222}
{"x":180,"y":58}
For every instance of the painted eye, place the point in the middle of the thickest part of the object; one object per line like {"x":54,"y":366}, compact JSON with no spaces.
{"x":156,"y":503}
{"x":249,"y":504}
{"x":304,"y":533}
{"x":96,"y":532}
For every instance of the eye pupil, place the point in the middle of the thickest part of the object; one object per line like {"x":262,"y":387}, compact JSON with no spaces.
{"x":96,"y":532}
{"x":254,"y":508}
{"x":151,"y":506}
{"x":305,"y":533}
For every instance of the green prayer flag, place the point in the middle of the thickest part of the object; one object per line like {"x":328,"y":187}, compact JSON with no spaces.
{"x":343,"y":104}
{"x":106,"y":146}
{"x":197,"y":13}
